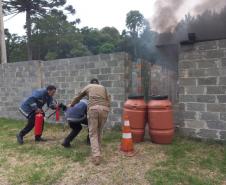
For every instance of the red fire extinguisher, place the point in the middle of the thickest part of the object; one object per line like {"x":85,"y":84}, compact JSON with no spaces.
{"x":39,"y":119}
{"x":57,"y":113}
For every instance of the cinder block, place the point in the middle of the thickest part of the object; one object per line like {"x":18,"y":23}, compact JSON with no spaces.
{"x":216,"y":89}
{"x":194,"y":90}
{"x":187,"y":98}
{"x":94,"y":71}
{"x":197,"y":124}
{"x":189,"y":115}
{"x":223,"y":62}
{"x":222,"y":80}
{"x":187,"y":81}
{"x":181,"y":90}
{"x":90,"y":65}
{"x":187,"y":65}
{"x":118,"y":70}
{"x":210,"y":134}
{"x":183,"y":73}
{"x":105,"y":70}
{"x":221,"y":98}
{"x":215,"y":107}
{"x":219,"y":125}
{"x":222,"y":71}
{"x":193,"y":55}
{"x":206,"y":98}
{"x":207,"y":64}
{"x":223,"y":116}
{"x":222,"y":43}
{"x":214,"y":54}
{"x":190,"y":132}
{"x":196,"y":73}
{"x":210,"y":45}
{"x":113,"y":63}
{"x":195,"y":106}
{"x":210,"y":116}
{"x":212,"y":72}
{"x":118,"y":83}
{"x":106,"y":83}
{"x":102,"y":77}
{"x":207,"y":81}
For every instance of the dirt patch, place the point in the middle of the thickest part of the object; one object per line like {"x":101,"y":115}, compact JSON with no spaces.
{"x":115,"y":168}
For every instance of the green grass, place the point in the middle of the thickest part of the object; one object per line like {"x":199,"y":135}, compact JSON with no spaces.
{"x":41,"y":163}
{"x":190,"y":162}
{"x":184,"y":162}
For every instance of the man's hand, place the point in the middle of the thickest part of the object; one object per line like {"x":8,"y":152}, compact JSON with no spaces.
{"x":62,"y":106}
{"x":69,"y":105}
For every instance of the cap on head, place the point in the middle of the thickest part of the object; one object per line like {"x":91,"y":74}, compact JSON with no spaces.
{"x":94,"y":81}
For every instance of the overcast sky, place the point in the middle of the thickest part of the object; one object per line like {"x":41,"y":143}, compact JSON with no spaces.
{"x":94,"y":13}
{"x":98,"y":13}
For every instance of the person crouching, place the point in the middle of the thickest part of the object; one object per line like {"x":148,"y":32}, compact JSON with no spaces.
{"x":76,"y":117}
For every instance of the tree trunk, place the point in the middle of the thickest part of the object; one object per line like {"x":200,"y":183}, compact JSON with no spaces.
{"x":28,"y":27}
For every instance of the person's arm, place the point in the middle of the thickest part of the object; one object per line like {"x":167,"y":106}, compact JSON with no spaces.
{"x":32,"y":101}
{"x":80,"y":95}
{"x":50,"y":103}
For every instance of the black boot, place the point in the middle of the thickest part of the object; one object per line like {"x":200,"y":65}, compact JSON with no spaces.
{"x":20,"y":138}
{"x":66,"y":144}
{"x":40,"y":139}
{"x":69,"y":138}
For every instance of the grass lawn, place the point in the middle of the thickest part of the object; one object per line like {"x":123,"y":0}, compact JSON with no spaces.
{"x":185,"y":162}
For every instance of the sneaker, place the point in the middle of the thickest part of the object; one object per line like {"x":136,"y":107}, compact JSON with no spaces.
{"x":20,"y":139}
{"x":66,"y":145}
{"x":40,"y":139}
{"x":96,"y":160}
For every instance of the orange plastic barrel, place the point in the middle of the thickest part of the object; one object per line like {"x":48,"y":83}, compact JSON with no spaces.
{"x":160,"y":120}
{"x":136,"y":108}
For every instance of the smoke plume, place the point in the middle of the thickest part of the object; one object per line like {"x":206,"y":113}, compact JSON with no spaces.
{"x":165,"y":18}
{"x":204,"y":5}
{"x":167,"y":12}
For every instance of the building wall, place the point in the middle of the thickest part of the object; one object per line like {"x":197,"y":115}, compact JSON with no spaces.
{"x":202,"y":90}
{"x":200,"y":111}
{"x":17,"y":80}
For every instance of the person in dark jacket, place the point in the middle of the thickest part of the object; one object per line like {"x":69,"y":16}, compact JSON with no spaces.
{"x":33,"y":105}
{"x":76,"y":117}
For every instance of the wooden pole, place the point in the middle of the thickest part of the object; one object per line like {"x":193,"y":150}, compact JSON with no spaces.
{"x":2,"y":37}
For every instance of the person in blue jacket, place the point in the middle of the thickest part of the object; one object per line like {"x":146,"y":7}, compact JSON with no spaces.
{"x":76,"y":116}
{"x":33,"y":105}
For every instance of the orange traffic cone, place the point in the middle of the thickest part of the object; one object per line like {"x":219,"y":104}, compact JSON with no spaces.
{"x":127,"y":142}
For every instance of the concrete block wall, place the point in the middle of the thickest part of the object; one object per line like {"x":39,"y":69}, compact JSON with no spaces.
{"x":69,"y":75}
{"x":17,"y":80}
{"x":202,"y":90}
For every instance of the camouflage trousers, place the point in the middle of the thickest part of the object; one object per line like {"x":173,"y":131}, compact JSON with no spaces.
{"x":97,"y":117}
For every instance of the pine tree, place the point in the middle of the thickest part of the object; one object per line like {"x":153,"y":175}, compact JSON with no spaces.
{"x":32,"y":8}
